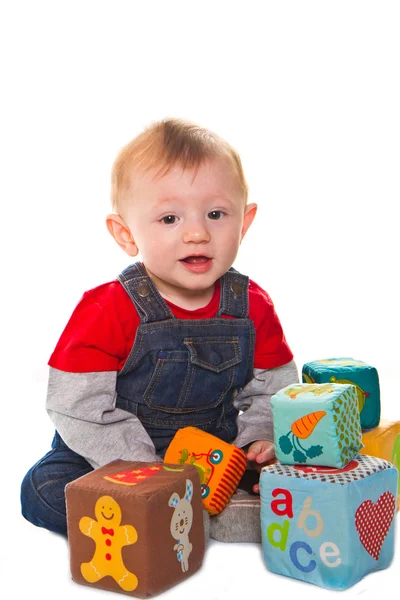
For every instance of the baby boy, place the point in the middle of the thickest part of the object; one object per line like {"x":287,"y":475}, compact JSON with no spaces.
{"x":179,"y":339}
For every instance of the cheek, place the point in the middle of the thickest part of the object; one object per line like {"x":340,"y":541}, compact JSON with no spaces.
{"x":160,"y":243}
{"x":230,"y":228}
{"x":158,"y":248}
{"x":149,"y":237}
{"x":229,"y":240}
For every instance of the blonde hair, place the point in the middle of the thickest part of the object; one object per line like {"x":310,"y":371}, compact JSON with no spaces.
{"x":168,"y":143}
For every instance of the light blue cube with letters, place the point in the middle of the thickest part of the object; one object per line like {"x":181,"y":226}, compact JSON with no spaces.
{"x":326,"y":526}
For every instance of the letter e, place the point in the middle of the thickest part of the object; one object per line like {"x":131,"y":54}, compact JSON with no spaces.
{"x":330,"y":549}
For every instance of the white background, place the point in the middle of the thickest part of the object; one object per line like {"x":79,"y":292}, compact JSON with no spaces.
{"x":309,"y":94}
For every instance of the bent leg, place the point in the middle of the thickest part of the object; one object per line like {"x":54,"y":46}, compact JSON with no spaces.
{"x":42,"y":489}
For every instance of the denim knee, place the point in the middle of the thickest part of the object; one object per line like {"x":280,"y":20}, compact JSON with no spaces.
{"x":36,"y":509}
{"x":42,"y":489}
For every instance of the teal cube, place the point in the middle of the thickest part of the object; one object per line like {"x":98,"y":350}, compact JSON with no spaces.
{"x":316,"y":424}
{"x":328,"y":527}
{"x":351,"y":371}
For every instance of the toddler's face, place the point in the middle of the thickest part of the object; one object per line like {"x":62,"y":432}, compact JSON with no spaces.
{"x":188,"y":227}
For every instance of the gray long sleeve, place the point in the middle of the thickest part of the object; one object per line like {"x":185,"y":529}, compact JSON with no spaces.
{"x":82,"y":408}
{"x":255,"y":422}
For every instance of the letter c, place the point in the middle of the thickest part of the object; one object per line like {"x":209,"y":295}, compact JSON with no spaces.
{"x":293,"y":555}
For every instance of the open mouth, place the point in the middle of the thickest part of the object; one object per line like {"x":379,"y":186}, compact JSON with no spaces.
{"x":196,"y":263}
{"x":195,"y":260}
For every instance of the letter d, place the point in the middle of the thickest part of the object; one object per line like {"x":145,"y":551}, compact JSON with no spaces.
{"x":284,"y":532}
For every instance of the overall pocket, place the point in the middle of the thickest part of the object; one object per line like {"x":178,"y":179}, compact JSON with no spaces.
{"x":195,"y":379}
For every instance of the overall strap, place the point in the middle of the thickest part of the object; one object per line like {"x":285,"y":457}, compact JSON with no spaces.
{"x":234,"y":300}
{"x":147,"y":300}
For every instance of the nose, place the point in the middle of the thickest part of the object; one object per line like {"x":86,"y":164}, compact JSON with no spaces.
{"x":196,"y":231}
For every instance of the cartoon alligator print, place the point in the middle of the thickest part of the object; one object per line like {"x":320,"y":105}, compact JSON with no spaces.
{"x":315,"y":388}
{"x":342,"y":362}
{"x":361,"y":395}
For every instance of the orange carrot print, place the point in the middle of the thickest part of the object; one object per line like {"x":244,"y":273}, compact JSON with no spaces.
{"x":303,"y":427}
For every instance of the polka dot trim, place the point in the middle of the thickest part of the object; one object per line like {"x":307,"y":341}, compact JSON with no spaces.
{"x":367,"y":465}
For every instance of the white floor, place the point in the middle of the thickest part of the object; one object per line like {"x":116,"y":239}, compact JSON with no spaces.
{"x":229,"y":571}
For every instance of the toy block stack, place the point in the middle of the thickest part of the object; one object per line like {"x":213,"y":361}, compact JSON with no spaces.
{"x":327,"y":512}
{"x":135,"y":527}
{"x":380,"y":438}
{"x":220,"y":465}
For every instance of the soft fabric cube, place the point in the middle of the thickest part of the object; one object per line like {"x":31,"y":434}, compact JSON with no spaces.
{"x":384,"y":442}
{"x":135,"y":527}
{"x":220,"y":465}
{"x":329,"y":527}
{"x":316,"y":424}
{"x":354,"y":372}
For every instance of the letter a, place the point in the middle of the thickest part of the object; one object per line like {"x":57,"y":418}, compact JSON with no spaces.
{"x":287,"y":502}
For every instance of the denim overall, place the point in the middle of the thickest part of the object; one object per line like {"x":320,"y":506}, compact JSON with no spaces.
{"x":179,"y":373}
{"x":183,"y":372}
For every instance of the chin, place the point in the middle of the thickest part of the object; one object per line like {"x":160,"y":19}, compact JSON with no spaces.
{"x":198,"y":286}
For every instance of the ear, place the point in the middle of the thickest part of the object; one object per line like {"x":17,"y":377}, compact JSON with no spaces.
{"x":174,"y":500}
{"x":249,"y":214}
{"x":121,"y":234}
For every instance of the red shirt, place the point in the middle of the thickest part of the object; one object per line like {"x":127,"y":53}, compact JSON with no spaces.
{"x":101,"y":331}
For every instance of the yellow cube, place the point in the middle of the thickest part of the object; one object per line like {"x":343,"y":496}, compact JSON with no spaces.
{"x":384,"y":442}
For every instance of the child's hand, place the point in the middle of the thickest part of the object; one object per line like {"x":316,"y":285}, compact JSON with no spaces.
{"x":260,"y":454}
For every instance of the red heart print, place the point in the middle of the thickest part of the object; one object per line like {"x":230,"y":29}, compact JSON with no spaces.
{"x":373,"y":522}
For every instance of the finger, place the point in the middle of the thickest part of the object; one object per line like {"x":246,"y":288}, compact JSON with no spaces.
{"x":256,"y":488}
{"x":266,"y":455}
{"x":253,"y":451}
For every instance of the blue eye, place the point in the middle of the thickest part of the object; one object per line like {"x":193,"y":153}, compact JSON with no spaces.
{"x":215,"y":214}
{"x":169,"y":219}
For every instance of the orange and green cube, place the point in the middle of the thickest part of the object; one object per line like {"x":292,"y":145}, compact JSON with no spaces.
{"x":219,"y":464}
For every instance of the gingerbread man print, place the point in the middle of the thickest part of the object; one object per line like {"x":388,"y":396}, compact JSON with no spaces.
{"x":110,"y":537}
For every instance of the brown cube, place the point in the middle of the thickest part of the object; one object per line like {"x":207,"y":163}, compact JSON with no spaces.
{"x":135,"y":527}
